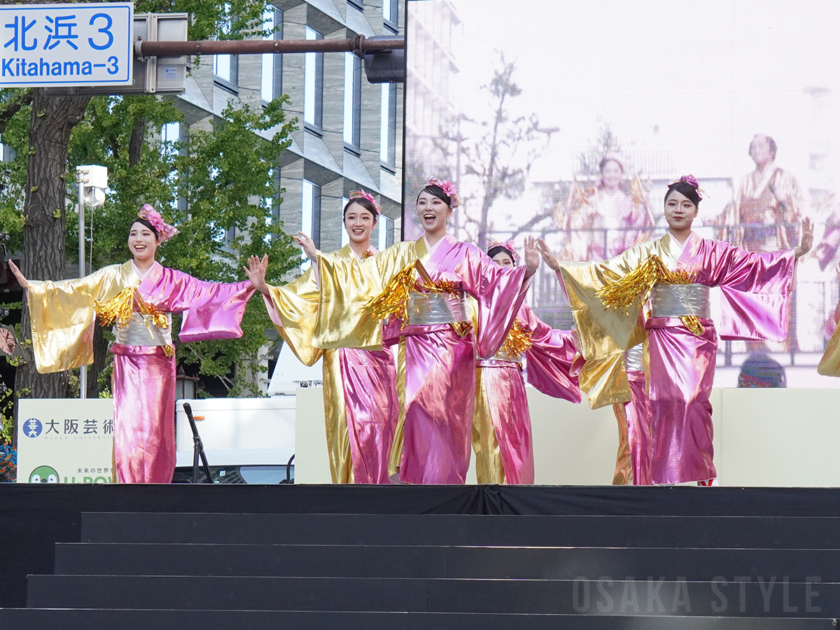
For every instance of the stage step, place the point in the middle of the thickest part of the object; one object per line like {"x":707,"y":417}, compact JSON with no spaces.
{"x":442,"y":562}
{"x":753,"y":598}
{"x":466,"y":530}
{"x":28,"y":619}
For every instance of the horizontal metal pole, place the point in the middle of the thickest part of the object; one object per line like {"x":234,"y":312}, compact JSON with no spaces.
{"x":359,"y":45}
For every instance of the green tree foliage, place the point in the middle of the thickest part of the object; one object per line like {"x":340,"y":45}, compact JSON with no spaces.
{"x":218,"y":185}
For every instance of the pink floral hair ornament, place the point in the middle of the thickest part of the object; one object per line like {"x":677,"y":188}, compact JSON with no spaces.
{"x":691,"y":181}
{"x":361,"y":194}
{"x":508,"y":246}
{"x":164,"y":230}
{"x":447,"y":188}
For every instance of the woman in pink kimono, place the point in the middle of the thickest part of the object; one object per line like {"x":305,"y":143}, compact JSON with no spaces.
{"x":138,"y":297}
{"x":360,"y":396}
{"x":675,"y":272}
{"x":502,"y":424}
{"x":418,"y":288}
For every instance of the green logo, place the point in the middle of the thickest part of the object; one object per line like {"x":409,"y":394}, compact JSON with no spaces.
{"x":44,"y":474}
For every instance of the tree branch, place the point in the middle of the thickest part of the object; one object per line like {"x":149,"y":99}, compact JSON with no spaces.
{"x":13,"y":108}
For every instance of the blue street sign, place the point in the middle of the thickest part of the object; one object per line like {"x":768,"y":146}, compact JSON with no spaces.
{"x":66,"y":44}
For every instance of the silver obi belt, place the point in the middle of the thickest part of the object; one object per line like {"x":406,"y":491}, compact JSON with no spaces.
{"x":430,"y":309}
{"x":679,"y":300}
{"x":137,"y":334}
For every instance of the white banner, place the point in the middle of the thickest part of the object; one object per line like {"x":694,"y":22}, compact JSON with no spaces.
{"x":65,"y":440}
{"x":66,"y":44}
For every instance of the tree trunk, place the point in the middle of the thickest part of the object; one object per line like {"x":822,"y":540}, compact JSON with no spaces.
{"x":53,"y":118}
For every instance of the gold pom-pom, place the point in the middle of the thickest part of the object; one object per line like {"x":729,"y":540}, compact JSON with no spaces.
{"x":120,"y":310}
{"x":638,"y":284}
{"x":692,"y":322}
{"x":394,"y":299}
{"x":518,"y":341}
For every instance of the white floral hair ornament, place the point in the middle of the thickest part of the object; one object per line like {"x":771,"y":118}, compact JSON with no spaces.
{"x":447,"y":187}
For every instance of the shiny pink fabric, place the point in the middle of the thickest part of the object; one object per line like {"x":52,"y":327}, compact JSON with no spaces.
{"x":440,"y":365}
{"x":371,"y":411}
{"x":211,"y":310}
{"x":682,"y":370}
{"x":508,"y":405}
{"x":144,"y":378}
{"x":637,"y":412}
{"x":549,"y":362}
{"x":144,"y":414}
{"x":756,"y":287}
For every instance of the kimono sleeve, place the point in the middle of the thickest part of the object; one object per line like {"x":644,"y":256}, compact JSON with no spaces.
{"x":499,"y":294}
{"x":211,"y":310}
{"x":62,"y":317}
{"x":293,"y":309}
{"x":550,"y":359}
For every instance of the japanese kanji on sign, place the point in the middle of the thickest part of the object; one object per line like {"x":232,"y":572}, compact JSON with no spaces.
{"x":66,"y":44}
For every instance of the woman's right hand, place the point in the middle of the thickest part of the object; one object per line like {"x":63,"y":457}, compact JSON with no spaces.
{"x":308,"y":246}
{"x":19,"y":276}
{"x":547,"y":256}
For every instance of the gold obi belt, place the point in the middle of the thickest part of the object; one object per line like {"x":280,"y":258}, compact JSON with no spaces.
{"x":430,"y":309}
{"x":680,"y":300}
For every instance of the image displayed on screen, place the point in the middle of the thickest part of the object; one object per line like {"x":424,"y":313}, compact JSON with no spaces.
{"x":567,"y":120}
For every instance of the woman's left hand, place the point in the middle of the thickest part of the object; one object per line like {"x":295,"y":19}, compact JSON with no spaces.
{"x":532,"y":257}
{"x":807,"y":238}
{"x":256,"y":272}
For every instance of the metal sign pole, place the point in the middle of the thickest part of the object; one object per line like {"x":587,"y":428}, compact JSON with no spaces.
{"x":83,"y":369}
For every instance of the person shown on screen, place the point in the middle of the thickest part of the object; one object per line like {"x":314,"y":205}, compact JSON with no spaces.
{"x":768,"y":203}
{"x":612,"y":314}
{"x":604,"y":221}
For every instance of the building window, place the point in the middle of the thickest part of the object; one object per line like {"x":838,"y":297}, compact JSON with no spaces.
{"x":388,"y":128}
{"x":272,"y":65}
{"x":391,"y":14}
{"x":311,"y":214}
{"x":384,"y":226}
{"x":226,"y":67}
{"x":313,"y":86}
{"x":345,"y":238}
{"x":352,"y":101}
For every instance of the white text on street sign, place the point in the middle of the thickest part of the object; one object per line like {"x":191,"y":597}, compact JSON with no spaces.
{"x":66,"y":44}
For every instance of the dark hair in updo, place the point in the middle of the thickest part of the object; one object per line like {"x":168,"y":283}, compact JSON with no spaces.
{"x":685,"y":189}
{"x":436,"y":191}
{"x":501,"y":248}
{"x":144,"y":223}
{"x":365,"y":203}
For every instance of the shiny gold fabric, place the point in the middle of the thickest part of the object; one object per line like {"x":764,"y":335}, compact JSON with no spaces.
{"x":296,"y":304}
{"x":342,"y":320}
{"x":338,"y":440}
{"x":489,"y":467}
{"x":830,"y":362}
{"x":399,"y":433}
{"x":62,"y":315}
{"x":604,"y":335}
{"x":623,"y":462}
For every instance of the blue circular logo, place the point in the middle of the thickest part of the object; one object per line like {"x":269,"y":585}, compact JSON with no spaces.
{"x":32,"y":427}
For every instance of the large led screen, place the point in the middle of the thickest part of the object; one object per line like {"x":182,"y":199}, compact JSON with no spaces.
{"x":567,"y":119}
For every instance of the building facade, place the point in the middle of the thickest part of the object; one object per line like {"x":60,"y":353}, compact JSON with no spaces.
{"x":349,"y":131}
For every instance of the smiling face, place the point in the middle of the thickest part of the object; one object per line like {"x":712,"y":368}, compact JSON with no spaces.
{"x":432,"y":212}
{"x":679,"y":212}
{"x":359,"y":222}
{"x":611,"y":175}
{"x":142,"y":242}
{"x":503,"y":259}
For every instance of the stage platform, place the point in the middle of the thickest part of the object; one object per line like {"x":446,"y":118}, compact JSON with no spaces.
{"x":406,"y":557}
